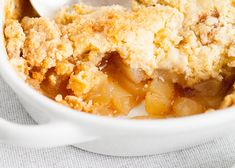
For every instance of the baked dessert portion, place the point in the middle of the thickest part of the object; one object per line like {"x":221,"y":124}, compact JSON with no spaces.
{"x":176,"y":57}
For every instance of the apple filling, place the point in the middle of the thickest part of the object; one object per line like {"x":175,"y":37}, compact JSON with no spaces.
{"x":122,"y":88}
{"x":175,"y":58}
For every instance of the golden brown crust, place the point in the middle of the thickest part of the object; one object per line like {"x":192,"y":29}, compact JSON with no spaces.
{"x":194,"y":40}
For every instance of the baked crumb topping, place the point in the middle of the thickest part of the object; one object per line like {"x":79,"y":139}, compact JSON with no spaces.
{"x":183,"y":42}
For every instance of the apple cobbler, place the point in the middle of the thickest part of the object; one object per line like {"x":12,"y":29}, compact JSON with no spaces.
{"x":176,"y":57}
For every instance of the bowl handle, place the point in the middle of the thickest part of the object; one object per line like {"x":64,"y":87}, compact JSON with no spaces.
{"x":51,"y":134}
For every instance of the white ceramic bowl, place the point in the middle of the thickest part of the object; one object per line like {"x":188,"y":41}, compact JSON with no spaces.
{"x":59,"y":125}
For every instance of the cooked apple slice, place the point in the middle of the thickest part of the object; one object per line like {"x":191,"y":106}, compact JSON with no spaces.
{"x":185,"y":106}
{"x":136,"y":89}
{"x":101,"y":94}
{"x":122,"y":100}
{"x":135,"y":75}
{"x":110,"y":96}
{"x":209,"y":88}
{"x":159,"y":97}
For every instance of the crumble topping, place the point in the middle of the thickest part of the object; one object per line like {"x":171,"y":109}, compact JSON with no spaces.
{"x":193,"y":40}
{"x":86,"y":79}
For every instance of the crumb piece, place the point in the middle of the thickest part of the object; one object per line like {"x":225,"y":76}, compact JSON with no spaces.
{"x":44,"y":44}
{"x":64,"y":68}
{"x":86,"y":79}
{"x":75,"y":102}
{"x":20,"y":64}
{"x":15,"y":38}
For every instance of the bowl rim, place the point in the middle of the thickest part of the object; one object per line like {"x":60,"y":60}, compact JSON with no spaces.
{"x":170,"y":125}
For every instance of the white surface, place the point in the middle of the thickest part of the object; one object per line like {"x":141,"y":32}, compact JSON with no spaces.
{"x":219,"y":153}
